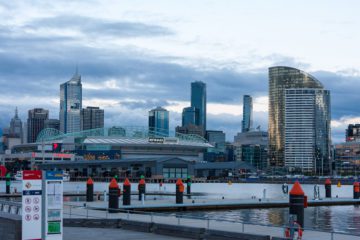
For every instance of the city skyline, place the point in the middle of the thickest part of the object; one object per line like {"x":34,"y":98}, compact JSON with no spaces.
{"x":135,"y":58}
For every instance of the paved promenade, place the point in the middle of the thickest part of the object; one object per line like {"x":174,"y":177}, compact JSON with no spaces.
{"x":71,"y":233}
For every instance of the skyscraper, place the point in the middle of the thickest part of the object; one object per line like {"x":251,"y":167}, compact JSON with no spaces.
{"x":247,"y":113}
{"x":299,"y":121}
{"x":189,"y":116}
{"x":92,"y":118}
{"x":71,"y":104}
{"x":198,"y":101}
{"x":16,"y":129}
{"x":159,"y":122}
{"x":52,"y":123}
{"x":35,"y":123}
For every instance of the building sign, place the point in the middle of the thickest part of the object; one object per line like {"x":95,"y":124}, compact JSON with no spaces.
{"x":156,"y":140}
{"x":171,"y":140}
{"x":31,"y":205}
{"x":53,"y":205}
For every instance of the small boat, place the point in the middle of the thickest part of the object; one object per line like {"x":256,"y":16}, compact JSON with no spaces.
{"x":19,"y":176}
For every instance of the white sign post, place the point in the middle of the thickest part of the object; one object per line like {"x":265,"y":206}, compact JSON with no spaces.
{"x":31,"y":205}
{"x":53,"y":205}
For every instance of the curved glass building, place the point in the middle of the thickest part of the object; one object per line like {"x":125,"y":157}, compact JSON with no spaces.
{"x":299,"y":121}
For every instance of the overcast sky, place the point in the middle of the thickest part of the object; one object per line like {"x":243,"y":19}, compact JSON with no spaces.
{"x":135,"y":55}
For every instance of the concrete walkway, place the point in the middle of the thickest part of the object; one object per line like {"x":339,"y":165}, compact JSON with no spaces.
{"x":71,"y":233}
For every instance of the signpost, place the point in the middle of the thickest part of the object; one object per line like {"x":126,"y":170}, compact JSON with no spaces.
{"x":53,"y":205}
{"x":31,"y":205}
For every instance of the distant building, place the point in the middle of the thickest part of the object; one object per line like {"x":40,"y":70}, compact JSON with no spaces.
{"x":299,"y":121}
{"x":36,"y":123}
{"x":217,"y":139}
{"x":252,"y":148}
{"x":190,"y":115}
{"x":16,"y":130}
{"x":52,"y":123}
{"x":353,"y":133}
{"x":198,"y":101}
{"x":92,"y":118}
{"x":347,"y":158}
{"x":191,"y":129}
{"x":116,"y":131}
{"x":247,"y":114}
{"x":71,"y":105}
{"x":159,"y":122}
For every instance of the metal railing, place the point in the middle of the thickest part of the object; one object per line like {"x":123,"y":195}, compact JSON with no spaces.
{"x":10,"y":207}
{"x":180,"y":219}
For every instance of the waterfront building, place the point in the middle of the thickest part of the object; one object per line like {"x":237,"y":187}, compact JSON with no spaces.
{"x":252,"y":148}
{"x":16,"y":129}
{"x":198,"y":101}
{"x":159,"y":122}
{"x":353,"y":133}
{"x":247,"y":114}
{"x":190,"y":115}
{"x":116,"y":131}
{"x":217,"y":139}
{"x":71,"y":105}
{"x":52,"y":123}
{"x":299,"y":121}
{"x":347,"y":158}
{"x":91,"y":118}
{"x":36,"y":122}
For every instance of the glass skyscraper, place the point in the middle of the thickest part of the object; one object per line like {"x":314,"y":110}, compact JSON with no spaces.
{"x":71,"y":104}
{"x":36,"y":123}
{"x":247,"y":114}
{"x":159,"y":122}
{"x":198,"y":101}
{"x":189,"y":116}
{"x":299,"y":121}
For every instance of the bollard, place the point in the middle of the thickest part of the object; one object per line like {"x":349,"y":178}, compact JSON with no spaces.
{"x":113,"y":196}
{"x":296,"y":201}
{"x":8,"y":183}
{"x":179,"y":191}
{"x":188,"y":187}
{"x":141,"y":188}
{"x":90,"y":190}
{"x":356,"y":190}
{"x":105,"y":195}
{"x":126,"y":192}
{"x":328,"y":188}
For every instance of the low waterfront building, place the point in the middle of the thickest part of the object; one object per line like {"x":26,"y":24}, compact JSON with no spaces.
{"x":347,"y":158}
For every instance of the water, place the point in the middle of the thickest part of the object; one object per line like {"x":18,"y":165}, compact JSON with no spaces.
{"x":337,"y":218}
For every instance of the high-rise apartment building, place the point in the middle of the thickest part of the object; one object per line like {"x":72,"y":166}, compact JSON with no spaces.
{"x":92,"y":118}
{"x":159,"y":122}
{"x":247,"y":114}
{"x":198,"y":101}
{"x":299,"y":121}
{"x":52,"y":123}
{"x":71,"y":105}
{"x":35,"y":123}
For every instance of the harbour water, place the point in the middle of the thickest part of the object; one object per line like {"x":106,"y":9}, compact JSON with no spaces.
{"x":333,"y":218}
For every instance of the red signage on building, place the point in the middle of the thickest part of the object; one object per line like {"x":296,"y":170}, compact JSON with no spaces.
{"x":32,"y":175}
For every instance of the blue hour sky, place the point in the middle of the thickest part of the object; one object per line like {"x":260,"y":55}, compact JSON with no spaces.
{"x":135,"y":55}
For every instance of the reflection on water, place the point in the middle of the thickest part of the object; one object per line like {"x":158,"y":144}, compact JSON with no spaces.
{"x":335,"y":218}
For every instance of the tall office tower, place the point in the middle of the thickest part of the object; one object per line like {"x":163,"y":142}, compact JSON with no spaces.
{"x":71,"y":104}
{"x":198,"y":101}
{"x":36,"y":122}
{"x":189,"y":116}
{"x":159,"y":122}
{"x":92,"y":118}
{"x":16,"y":129}
{"x":299,"y":121}
{"x":52,"y":123}
{"x":247,"y":114}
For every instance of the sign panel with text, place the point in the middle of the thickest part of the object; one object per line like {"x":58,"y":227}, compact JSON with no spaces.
{"x":31,"y":205}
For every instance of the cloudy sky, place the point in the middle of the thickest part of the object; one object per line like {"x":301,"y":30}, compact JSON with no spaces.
{"x":135,"y":55}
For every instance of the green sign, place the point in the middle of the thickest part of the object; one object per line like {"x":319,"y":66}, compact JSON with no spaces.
{"x":54,"y":227}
